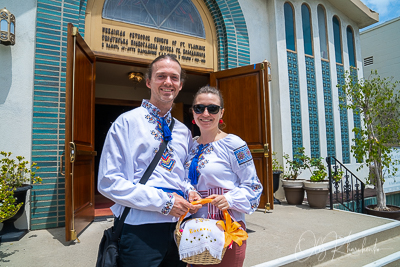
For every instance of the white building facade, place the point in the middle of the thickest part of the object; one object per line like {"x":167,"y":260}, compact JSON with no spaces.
{"x":382,"y":56}
{"x":310,"y":45}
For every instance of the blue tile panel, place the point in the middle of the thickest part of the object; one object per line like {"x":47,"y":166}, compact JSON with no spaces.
{"x":344,"y":124}
{"x":330,"y":129}
{"x":356,"y":112}
{"x":312,"y":108}
{"x":391,"y":199}
{"x":233,"y":39}
{"x":295,"y":110}
{"x":48,"y":198}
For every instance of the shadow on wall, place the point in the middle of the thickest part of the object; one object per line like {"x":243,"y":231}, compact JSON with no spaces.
{"x":5,"y":72}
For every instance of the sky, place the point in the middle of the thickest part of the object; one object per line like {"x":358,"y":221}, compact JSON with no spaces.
{"x":387,"y":9}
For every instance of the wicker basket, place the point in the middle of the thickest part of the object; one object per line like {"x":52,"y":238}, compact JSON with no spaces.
{"x":203,"y":258}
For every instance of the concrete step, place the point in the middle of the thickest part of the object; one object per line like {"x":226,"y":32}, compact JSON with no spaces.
{"x":385,"y":253}
{"x":370,"y":243}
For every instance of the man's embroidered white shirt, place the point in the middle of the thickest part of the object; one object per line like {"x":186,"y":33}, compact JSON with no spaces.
{"x":130,"y":146}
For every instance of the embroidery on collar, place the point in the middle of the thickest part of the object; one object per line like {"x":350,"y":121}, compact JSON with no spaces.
{"x":155,"y":112}
{"x":153,"y":118}
{"x":207,"y":149}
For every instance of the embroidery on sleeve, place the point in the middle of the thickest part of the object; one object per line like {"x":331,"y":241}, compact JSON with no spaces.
{"x":168,"y":205}
{"x":242,"y":154}
{"x":257,"y":188}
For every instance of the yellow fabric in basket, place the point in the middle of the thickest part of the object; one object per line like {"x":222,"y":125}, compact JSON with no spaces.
{"x":232,"y":230}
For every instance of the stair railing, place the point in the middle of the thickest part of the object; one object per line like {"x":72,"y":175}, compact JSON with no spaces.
{"x":348,"y":191}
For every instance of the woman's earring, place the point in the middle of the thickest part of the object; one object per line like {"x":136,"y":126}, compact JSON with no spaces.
{"x":193,"y":121}
{"x":221,"y":121}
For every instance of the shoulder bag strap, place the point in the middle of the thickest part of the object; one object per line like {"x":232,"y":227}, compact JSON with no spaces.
{"x":144,"y":179}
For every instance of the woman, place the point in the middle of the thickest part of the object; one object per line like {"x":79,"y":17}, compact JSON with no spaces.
{"x":221,"y":167}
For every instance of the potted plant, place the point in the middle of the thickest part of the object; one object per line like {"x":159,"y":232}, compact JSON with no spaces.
{"x":293,"y":186}
{"x":277,"y":169}
{"x":16,"y":177}
{"x":317,"y":188}
{"x":378,"y":102}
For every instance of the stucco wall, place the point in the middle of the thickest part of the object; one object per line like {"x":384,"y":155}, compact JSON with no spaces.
{"x":385,"y":53}
{"x":16,"y":86}
{"x":255,"y":13}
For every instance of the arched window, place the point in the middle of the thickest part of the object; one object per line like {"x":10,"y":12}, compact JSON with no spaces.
{"x":337,"y":40}
{"x":351,"y":46}
{"x":289,"y":27}
{"x":323,"y":43}
{"x":4,"y":25}
{"x":179,"y":16}
{"x":307,"y":35}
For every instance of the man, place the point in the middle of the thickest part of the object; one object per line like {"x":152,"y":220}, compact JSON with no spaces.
{"x":147,"y":237}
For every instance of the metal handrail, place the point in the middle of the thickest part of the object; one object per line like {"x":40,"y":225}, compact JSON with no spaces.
{"x":349,"y":190}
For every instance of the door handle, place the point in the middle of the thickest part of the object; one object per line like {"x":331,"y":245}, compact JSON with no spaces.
{"x":62,"y":164}
{"x":257,"y":150}
{"x":264,"y":150}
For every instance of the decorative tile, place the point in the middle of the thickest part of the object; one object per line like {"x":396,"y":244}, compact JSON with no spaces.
{"x":49,"y":104}
{"x":312,"y":108}
{"x":295,"y":109}
{"x":344,"y":124}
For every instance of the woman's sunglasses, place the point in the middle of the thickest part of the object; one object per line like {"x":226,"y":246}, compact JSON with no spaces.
{"x":212,"y":109}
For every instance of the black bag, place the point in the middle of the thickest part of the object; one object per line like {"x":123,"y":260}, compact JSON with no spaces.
{"x":108,"y":248}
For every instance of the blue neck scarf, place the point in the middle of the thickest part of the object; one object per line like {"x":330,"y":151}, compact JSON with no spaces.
{"x":193,"y":175}
{"x":166,"y":130}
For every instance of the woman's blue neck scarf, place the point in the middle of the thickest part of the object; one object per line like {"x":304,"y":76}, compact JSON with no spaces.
{"x":193,"y":175}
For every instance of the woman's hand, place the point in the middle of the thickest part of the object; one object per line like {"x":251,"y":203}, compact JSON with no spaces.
{"x":219,"y":201}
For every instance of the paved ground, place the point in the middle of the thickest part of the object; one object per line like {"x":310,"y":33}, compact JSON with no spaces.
{"x":286,"y":230}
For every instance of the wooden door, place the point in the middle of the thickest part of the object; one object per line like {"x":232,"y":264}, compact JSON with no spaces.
{"x":79,"y":135}
{"x":247,"y":114}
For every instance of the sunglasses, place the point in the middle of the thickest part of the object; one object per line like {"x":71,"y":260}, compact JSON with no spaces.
{"x":212,"y":109}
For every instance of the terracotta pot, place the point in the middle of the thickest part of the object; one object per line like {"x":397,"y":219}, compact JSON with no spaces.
{"x":395,"y":215}
{"x":316,"y":185}
{"x":298,"y":183}
{"x":294,"y":195}
{"x":294,"y":191}
{"x":317,"y":198}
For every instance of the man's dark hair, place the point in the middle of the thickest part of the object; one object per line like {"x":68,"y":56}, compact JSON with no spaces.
{"x":162,"y":57}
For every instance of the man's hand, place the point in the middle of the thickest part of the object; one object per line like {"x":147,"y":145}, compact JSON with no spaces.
{"x":181,"y":206}
{"x":219,"y":201}
{"x":193,"y":196}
